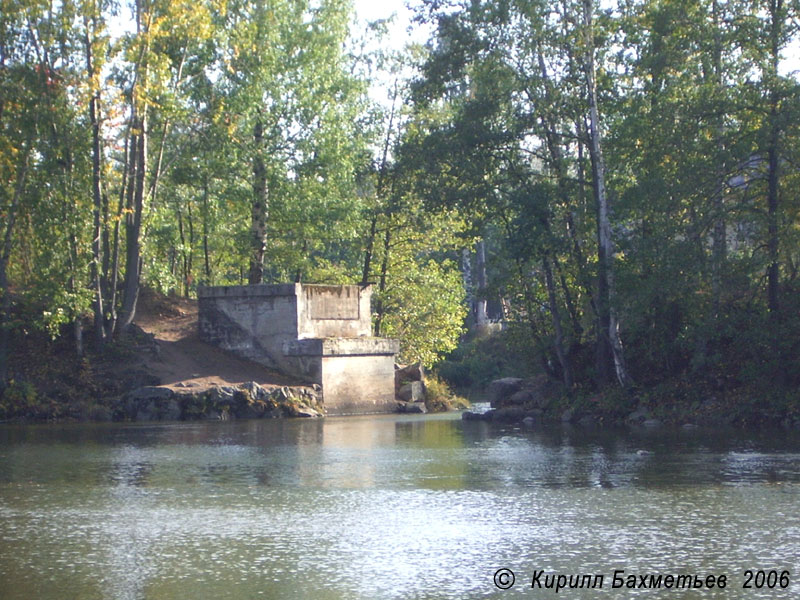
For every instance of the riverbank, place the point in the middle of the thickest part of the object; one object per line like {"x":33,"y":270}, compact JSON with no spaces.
{"x":161,"y":370}
{"x":679,"y":402}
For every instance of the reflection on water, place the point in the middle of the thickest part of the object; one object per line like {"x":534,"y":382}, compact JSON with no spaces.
{"x":385,"y":507}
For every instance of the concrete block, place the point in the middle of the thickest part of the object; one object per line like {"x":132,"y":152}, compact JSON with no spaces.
{"x":318,"y":333}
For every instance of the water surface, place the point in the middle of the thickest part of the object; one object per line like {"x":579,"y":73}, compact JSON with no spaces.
{"x":387,"y":507}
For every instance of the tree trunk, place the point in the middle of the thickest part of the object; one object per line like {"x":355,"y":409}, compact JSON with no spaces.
{"x":156,"y":174}
{"x":529,"y":306}
{"x":78,"y":333}
{"x":369,"y":250}
{"x":182,"y":238}
{"x":481,"y":314}
{"x":387,"y":240}
{"x":260,"y":208}
{"x":133,"y":228}
{"x":719,"y":247}
{"x":571,"y":308}
{"x":379,"y":191}
{"x":773,"y":280}
{"x":133,"y":225}
{"x":124,"y":193}
{"x":97,"y":234}
{"x":580,"y":130}
{"x":558,"y":341}
{"x":206,"y":259}
{"x":560,"y":172}
{"x":609,"y":317}
{"x":773,"y":162}
{"x":466,"y":276}
{"x":190,"y":253}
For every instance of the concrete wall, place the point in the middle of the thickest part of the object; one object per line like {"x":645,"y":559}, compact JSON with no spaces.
{"x":356,"y":374}
{"x":318,"y":333}
{"x":252,"y":321}
{"x":333,"y":311}
{"x":358,"y":384}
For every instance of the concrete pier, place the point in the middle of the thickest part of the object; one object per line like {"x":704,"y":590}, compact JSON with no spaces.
{"x":318,"y":333}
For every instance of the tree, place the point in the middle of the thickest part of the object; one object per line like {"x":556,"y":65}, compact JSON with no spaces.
{"x":608,"y":310}
{"x":294,"y":108}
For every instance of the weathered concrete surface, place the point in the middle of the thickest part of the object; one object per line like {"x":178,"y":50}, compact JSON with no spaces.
{"x":255,"y":321}
{"x":252,"y":321}
{"x":358,"y":384}
{"x":329,"y":311}
{"x":363,"y":346}
{"x":318,"y":333}
{"x":356,"y":374}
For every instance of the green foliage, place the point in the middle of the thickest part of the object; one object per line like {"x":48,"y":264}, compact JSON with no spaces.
{"x":439,"y":397}
{"x":699,"y":122}
{"x":479,"y":360}
{"x":425,"y":310}
{"x":18,"y":399}
{"x":700,"y":216}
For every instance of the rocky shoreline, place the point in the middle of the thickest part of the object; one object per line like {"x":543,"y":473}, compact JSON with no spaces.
{"x":247,"y":401}
{"x":134,"y":393}
{"x":219,"y":403}
{"x":536,"y":401}
{"x":161,"y":370}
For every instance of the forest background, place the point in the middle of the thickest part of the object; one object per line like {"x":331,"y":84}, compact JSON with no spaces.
{"x":606,"y":193}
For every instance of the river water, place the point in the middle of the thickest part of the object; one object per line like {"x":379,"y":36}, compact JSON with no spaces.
{"x":390,"y":507}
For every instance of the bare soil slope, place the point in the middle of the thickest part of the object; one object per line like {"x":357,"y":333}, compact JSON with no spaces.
{"x":180,"y":359}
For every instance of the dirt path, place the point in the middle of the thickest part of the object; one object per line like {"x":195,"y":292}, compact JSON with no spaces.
{"x":182,"y":359}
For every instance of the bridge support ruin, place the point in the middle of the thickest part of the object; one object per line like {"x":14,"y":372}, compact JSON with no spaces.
{"x":317,"y":333}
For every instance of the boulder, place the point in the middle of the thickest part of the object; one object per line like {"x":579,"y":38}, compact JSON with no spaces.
{"x":101,"y":413}
{"x":253,"y":410}
{"x":255,"y":391}
{"x":568,"y":416}
{"x":214,"y":415}
{"x":284,"y":393}
{"x":172,"y":410}
{"x":150,"y":392}
{"x":415,"y":372}
{"x":540,"y":399}
{"x":132,"y":379}
{"x":500,"y":390}
{"x":416,"y":407}
{"x":411,"y":392}
{"x":147,"y":403}
{"x":509,"y":414}
{"x":542,"y":390}
{"x":637,"y":417}
{"x":521,"y":398}
{"x":192,"y":404}
{"x":411,"y":407}
{"x":469,"y":415}
{"x":301,"y":410}
{"x":145,"y":411}
{"x":222,"y":395}
{"x":536,"y":414}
